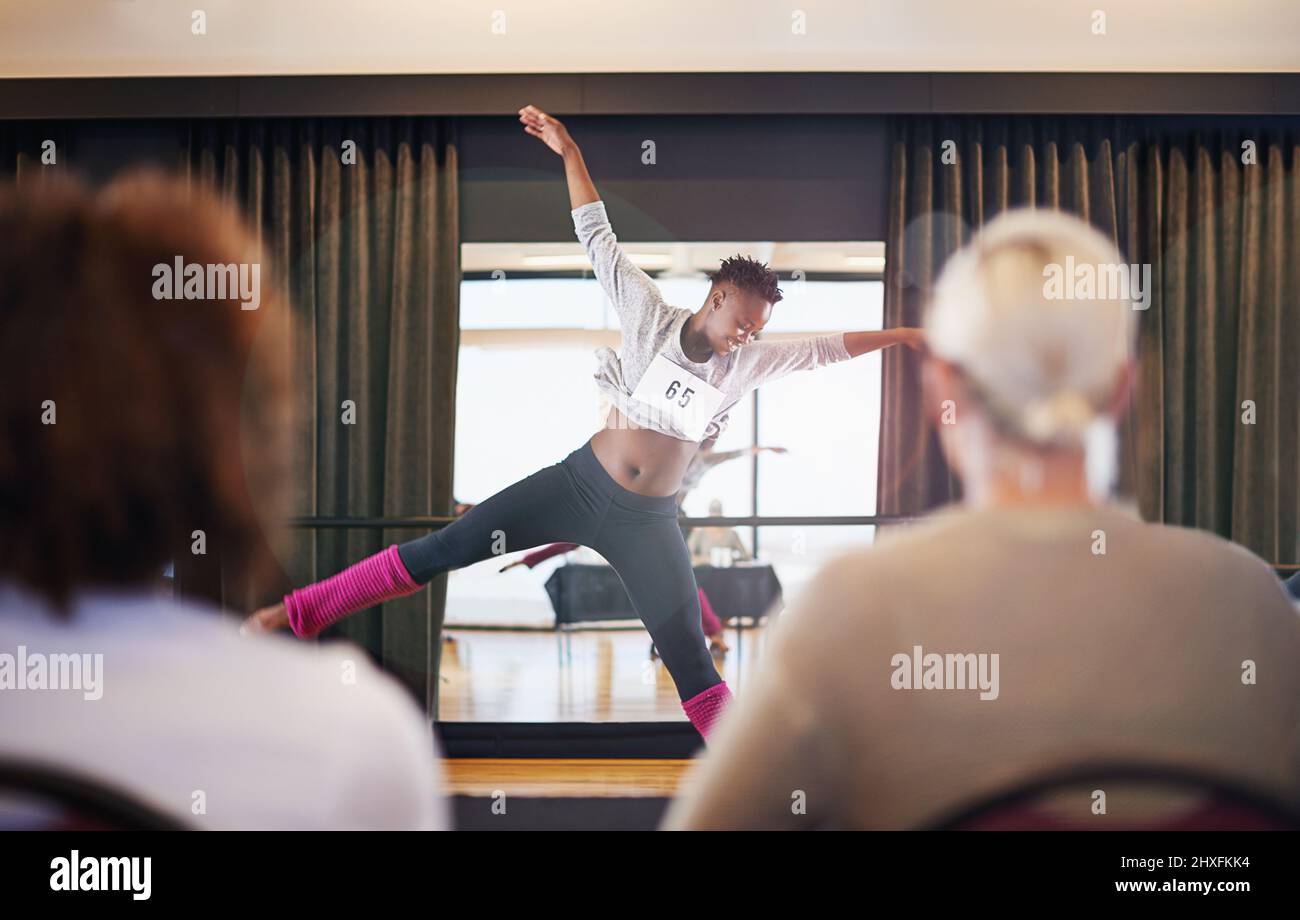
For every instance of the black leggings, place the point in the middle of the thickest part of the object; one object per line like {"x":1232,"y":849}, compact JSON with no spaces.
{"x":577,"y":501}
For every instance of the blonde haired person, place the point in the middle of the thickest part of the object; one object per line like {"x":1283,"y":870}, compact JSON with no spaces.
{"x":1114,"y":639}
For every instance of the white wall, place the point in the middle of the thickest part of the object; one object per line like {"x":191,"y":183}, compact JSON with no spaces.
{"x":249,"y":37}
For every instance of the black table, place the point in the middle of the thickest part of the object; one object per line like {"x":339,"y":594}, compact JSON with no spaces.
{"x":594,"y":593}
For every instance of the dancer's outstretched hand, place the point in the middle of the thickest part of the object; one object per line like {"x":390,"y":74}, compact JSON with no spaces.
{"x":268,"y":619}
{"x":549,"y":128}
{"x":913,"y":338}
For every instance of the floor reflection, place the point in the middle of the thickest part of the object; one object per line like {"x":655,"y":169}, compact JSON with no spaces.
{"x":588,"y":675}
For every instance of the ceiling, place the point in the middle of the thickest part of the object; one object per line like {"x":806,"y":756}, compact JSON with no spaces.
{"x":62,"y":38}
{"x":679,"y":259}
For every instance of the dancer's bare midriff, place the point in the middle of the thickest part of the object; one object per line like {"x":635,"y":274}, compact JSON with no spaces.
{"x":642,"y":460}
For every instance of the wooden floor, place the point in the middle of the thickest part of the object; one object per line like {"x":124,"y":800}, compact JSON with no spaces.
{"x":564,"y":778}
{"x":589,"y":675}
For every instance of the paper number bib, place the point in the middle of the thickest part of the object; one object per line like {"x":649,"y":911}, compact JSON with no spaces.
{"x":675,"y":395}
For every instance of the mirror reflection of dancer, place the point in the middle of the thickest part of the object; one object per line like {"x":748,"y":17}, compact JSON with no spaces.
{"x":707,"y":458}
{"x":617,"y":492}
{"x":709,"y":621}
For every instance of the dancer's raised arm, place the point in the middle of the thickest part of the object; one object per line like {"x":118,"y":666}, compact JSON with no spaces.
{"x":553,"y":133}
{"x":635,"y":296}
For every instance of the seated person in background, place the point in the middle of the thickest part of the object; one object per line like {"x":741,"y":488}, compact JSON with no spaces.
{"x":122,"y":435}
{"x":1116,"y":640}
{"x":704,"y":540}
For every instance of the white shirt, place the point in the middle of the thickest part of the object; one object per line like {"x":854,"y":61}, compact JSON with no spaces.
{"x":220,"y":730}
{"x":651,"y":327}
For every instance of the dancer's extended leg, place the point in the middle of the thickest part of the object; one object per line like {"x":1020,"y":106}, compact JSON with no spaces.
{"x":550,"y":505}
{"x":651,"y":558}
{"x":547,"y":507}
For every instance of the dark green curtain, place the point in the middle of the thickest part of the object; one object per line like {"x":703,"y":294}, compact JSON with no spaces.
{"x":23,"y":145}
{"x":1223,"y":239}
{"x":369,"y":253}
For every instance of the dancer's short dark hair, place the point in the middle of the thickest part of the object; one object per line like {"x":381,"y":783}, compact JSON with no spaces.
{"x":749,"y":275}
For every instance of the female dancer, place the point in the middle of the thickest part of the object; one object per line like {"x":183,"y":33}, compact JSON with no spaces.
{"x":671,"y":386}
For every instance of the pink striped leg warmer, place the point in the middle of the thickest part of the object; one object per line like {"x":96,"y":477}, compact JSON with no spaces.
{"x":371,"y":581}
{"x":703,"y":709}
{"x":708,"y":619}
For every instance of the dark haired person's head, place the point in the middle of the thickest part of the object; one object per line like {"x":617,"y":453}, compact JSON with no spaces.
{"x":739,"y":304}
{"x":129,"y":421}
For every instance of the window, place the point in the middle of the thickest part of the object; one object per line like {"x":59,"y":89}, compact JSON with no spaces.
{"x":531,"y":320}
